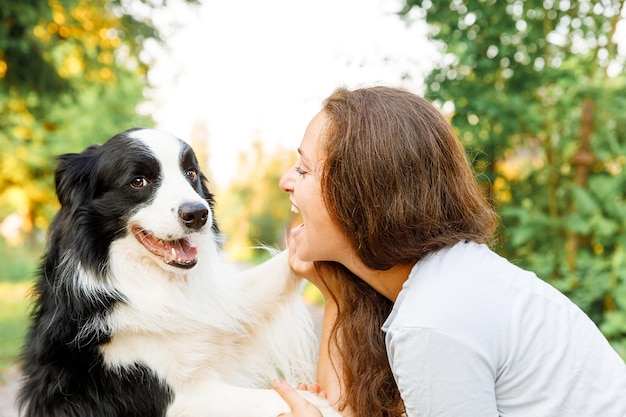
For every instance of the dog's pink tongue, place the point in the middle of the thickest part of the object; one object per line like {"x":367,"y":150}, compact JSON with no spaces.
{"x":180,"y":251}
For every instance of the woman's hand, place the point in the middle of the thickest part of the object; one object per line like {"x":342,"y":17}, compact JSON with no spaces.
{"x":313,"y":388}
{"x":300,"y":407}
{"x":305,"y":269}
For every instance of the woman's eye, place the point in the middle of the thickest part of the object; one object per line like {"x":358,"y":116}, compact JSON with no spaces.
{"x":191,"y":174}
{"x":139,"y":182}
{"x":299,"y":170}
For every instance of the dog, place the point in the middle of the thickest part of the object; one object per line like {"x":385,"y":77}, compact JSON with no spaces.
{"x":135,"y":311}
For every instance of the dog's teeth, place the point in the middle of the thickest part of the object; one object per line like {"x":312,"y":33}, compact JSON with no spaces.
{"x":294,"y":209}
{"x":174,"y":254}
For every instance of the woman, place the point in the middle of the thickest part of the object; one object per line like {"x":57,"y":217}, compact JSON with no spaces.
{"x":389,"y":202}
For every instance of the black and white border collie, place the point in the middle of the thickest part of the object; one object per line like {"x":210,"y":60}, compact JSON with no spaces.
{"x":135,"y":312}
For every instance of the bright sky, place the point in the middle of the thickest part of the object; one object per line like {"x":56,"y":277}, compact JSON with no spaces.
{"x":251,"y":69}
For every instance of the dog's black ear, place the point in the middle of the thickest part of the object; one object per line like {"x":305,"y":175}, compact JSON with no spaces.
{"x":75,"y":176}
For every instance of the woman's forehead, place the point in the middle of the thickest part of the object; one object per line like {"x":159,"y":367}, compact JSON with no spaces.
{"x":310,"y":149}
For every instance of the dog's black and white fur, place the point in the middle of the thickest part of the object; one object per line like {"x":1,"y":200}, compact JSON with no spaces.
{"x":135,"y":312}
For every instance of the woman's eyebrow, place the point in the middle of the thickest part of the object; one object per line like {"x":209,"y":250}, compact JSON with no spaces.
{"x":303,"y":158}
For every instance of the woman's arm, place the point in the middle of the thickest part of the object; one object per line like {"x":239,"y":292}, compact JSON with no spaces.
{"x":441,"y":376}
{"x":329,"y":364}
{"x":328,"y":376}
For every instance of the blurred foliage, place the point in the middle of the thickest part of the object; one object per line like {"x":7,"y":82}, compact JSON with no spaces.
{"x":14,"y":316}
{"x":19,"y":262}
{"x":253,"y":208}
{"x":254,"y":212}
{"x":72,"y":73}
{"x":536,"y":91}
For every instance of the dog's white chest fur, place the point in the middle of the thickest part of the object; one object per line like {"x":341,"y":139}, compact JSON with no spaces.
{"x":137,"y":313}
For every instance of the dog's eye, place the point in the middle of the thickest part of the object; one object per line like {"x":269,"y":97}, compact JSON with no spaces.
{"x":191,"y":174}
{"x":139,"y":182}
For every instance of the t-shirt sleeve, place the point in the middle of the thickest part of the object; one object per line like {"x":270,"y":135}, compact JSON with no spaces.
{"x":439,"y":376}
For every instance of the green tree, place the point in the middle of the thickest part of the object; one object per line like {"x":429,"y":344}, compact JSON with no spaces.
{"x":70,"y":75}
{"x":253,"y":210}
{"x":537,"y":89}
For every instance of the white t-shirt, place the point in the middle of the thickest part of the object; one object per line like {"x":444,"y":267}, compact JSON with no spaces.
{"x":473,"y":335}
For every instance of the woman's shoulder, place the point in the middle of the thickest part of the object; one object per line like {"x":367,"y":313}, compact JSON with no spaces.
{"x":465,"y":266}
{"x":449,"y":282}
{"x":462,"y":291}
{"x":470,"y":293}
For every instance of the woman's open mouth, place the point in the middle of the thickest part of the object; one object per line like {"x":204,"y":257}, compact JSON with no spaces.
{"x":181,"y":253}
{"x":294,"y":208}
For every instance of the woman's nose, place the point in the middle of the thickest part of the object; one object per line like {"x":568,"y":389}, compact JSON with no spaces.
{"x":286,"y":181}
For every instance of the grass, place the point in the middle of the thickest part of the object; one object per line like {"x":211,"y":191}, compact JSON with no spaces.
{"x":19,"y":263}
{"x":14,"y":319}
{"x":17,"y":273}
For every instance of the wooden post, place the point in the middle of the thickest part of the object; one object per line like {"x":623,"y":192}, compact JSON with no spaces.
{"x":582,"y":162}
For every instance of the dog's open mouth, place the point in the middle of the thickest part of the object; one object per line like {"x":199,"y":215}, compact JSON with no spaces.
{"x":181,"y":253}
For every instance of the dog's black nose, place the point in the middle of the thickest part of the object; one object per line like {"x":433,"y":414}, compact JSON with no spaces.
{"x":193,"y":215}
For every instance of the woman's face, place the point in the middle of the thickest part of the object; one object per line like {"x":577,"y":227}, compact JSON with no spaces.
{"x":317,"y":238}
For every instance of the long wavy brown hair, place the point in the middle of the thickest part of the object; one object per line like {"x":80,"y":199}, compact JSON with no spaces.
{"x":398,"y":183}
